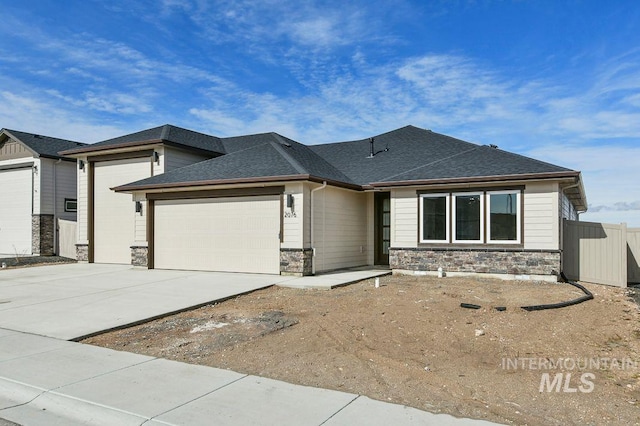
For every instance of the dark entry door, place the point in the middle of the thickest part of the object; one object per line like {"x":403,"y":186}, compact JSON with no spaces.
{"x":382,"y":227}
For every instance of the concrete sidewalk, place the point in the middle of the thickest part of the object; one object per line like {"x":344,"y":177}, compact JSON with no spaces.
{"x":45,"y":381}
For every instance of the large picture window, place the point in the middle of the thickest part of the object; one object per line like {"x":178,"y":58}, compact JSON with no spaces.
{"x":504,"y":217}
{"x":492,"y":217}
{"x":434,"y":213}
{"x":468,"y":218}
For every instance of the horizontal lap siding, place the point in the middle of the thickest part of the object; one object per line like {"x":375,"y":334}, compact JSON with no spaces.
{"x":404,"y":218}
{"x":340,"y":229}
{"x":541,"y":217}
{"x":175,"y":158}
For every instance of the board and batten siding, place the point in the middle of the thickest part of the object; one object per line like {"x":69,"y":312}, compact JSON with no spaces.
{"x":340,"y":229}
{"x":65,"y":182}
{"x":404,"y":218}
{"x":541,"y":218}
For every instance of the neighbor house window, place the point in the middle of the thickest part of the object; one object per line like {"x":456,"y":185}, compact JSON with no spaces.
{"x":70,"y":205}
{"x":503,"y":225}
{"x":434,"y":218}
{"x":468,"y":217}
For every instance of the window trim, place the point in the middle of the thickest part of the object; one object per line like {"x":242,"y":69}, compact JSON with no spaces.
{"x":70,"y":200}
{"x":447,"y":197}
{"x":518,"y":202}
{"x":454,"y":213}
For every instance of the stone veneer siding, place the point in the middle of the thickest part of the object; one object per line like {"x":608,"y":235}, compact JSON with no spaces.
{"x":82,"y":252}
{"x":489,"y":260}
{"x":296,"y":261}
{"x":42,"y":234}
{"x":139,"y":255}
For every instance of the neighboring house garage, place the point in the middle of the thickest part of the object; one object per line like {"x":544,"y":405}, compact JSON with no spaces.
{"x":237,"y":234}
{"x":15,"y":209}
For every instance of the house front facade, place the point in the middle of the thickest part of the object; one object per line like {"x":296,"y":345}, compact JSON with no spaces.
{"x":37,"y":187}
{"x":410,"y":199}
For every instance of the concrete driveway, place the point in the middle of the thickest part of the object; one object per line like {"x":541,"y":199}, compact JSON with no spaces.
{"x":75,"y":300}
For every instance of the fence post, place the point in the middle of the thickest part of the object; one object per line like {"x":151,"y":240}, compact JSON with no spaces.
{"x":623,"y":238}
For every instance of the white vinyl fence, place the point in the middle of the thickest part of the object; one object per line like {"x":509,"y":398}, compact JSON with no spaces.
{"x":67,"y":237}
{"x":601,"y":253}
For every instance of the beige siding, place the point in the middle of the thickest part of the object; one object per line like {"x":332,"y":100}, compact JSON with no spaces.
{"x":370,"y":228}
{"x":541,"y":217}
{"x":175,"y":158}
{"x":293,"y":220}
{"x":340,"y":229}
{"x":404,"y":218}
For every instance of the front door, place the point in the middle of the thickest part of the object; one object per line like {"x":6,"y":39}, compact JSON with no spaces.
{"x":382,"y":227}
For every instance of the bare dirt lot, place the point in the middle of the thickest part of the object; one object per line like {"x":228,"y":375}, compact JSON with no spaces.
{"x":410,"y":342}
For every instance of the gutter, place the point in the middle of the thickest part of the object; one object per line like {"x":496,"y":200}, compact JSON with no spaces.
{"x":313,"y":247}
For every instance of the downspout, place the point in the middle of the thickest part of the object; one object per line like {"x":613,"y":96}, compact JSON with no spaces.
{"x":313,"y":247}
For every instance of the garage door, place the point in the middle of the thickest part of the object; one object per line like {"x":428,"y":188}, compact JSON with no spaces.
{"x":15,"y":211}
{"x":221,"y":234}
{"x":113,"y":213}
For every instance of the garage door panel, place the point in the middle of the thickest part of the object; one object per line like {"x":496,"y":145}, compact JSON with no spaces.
{"x":114,"y":213}
{"x":15,"y":211}
{"x":223,"y":234}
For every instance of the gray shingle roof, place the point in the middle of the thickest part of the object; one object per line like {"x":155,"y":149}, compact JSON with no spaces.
{"x":44,"y":146}
{"x":410,"y":153}
{"x":167,"y":133}
{"x":267,"y":155}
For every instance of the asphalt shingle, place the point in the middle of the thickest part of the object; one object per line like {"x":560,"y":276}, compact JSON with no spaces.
{"x":45,"y":146}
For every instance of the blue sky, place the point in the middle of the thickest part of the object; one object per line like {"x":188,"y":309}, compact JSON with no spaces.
{"x":556,"y":80}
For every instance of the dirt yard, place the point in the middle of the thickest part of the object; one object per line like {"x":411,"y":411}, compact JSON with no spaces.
{"x":410,"y":342}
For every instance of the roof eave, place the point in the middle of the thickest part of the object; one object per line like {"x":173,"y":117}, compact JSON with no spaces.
{"x":476,"y":179}
{"x":194,"y":186}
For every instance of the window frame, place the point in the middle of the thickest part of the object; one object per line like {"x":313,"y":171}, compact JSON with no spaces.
{"x":66,"y":203}
{"x":454,"y":217}
{"x":518,"y":202}
{"x":447,"y":197}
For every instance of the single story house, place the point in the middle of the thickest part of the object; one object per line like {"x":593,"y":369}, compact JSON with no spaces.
{"x":37,"y":187}
{"x":411,"y":198}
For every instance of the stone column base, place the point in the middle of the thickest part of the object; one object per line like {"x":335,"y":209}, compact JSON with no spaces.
{"x":296,"y":262}
{"x":140,"y":256}
{"x":82,"y":253}
{"x":42,"y":234}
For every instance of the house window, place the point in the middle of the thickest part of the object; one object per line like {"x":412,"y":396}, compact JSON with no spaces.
{"x":70,"y":205}
{"x":468,"y":218}
{"x":434,"y":214}
{"x":504,"y":217}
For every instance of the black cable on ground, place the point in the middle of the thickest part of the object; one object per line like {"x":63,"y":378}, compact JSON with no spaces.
{"x":588,"y":296}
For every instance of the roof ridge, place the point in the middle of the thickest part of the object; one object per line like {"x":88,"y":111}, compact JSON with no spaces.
{"x":164,"y":134}
{"x":278,"y":145}
{"x":515,"y":154}
{"x":433,"y":162}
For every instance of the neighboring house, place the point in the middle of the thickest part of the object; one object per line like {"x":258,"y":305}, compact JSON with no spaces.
{"x":410,"y":198}
{"x":37,"y":187}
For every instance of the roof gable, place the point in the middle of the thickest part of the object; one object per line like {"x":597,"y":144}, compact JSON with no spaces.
{"x":42,"y":146}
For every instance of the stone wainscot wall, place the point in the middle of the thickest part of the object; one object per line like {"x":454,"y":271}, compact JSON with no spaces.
{"x":481,"y":260}
{"x":296,"y":261}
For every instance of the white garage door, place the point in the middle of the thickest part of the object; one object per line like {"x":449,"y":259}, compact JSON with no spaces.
{"x":114,"y":213}
{"x":15,"y":211}
{"x":220,"y":234}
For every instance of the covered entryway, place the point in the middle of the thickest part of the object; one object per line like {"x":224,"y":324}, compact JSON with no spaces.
{"x":16,"y":195}
{"x":114,"y":213}
{"x":230,"y":234}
